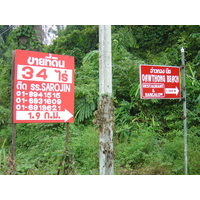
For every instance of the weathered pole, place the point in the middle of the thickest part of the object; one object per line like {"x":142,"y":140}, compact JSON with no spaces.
{"x":105,"y":108}
{"x":184,"y":111}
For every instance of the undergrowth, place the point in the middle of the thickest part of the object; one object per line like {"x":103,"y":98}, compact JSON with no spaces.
{"x":41,"y":150}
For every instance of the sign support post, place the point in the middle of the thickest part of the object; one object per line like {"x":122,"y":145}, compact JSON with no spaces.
{"x":184,"y":111}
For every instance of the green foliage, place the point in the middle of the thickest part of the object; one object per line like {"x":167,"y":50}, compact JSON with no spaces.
{"x":39,"y":152}
{"x":4,"y":35}
{"x":84,"y":145}
{"x":26,"y":37}
{"x":4,"y":116}
{"x":5,"y":82}
{"x":75,"y":41}
{"x":146,"y":154}
{"x":3,"y":161}
{"x":42,"y":152}
{"x":86,"y":93}
{"x":193,"y":95}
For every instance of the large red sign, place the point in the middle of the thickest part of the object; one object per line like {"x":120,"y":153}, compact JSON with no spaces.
{"x":159,"y":82}
{"x":43,"y":88}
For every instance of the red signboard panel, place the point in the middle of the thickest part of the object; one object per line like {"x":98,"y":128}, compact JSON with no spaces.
{"x":43,"y":88}
{"x":159,"y":82}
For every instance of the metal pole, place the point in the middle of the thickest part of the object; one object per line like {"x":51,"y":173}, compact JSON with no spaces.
{"x":105,"y":108}
{"x":184,"y":111}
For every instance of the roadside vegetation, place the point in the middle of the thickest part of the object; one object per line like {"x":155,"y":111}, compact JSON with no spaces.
{"x":148,"y":136}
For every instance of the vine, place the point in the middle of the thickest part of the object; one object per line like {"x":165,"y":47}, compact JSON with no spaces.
{"x":26,"y":37}
{"x":102,"y":115}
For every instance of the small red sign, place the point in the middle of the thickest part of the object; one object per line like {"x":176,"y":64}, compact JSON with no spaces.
{"x":43,"y":88}
{"x":159,"y":82}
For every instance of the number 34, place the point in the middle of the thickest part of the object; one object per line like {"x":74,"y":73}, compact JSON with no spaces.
{"x":29,"y":73}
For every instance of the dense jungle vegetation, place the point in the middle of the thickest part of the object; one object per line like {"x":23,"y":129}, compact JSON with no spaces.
{"x":148,"y":137}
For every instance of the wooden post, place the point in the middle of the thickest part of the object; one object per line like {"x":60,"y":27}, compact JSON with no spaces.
{"x":105,"y":108}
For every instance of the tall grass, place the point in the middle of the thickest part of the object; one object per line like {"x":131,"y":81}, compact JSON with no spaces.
{"x":143,"y":151}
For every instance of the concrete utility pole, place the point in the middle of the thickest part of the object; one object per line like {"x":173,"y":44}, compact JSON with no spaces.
{"x":105,"y":109}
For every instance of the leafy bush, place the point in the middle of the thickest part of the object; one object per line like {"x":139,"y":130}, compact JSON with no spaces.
{"x":84,"y":145}
{"x":3,"y":162}
{"x":86,"y":93}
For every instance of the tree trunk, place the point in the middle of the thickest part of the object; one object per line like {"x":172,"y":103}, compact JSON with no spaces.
{"x":39,"y":33}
